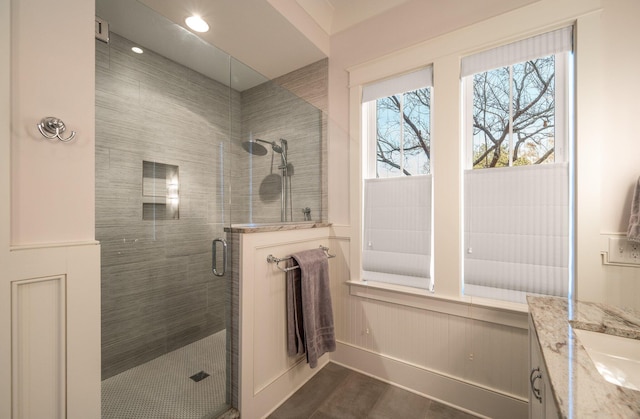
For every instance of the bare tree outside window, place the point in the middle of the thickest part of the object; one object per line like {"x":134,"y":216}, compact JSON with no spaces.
{"x":531,"y":85}
{"x":403,"y":145}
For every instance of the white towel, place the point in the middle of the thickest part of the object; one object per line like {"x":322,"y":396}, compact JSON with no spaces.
{"x":633,"y":232}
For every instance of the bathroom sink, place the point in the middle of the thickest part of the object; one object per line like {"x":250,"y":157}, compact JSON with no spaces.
{"x":616,"y":358}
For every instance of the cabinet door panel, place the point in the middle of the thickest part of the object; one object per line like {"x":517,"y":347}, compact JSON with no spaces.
{"x":543,"y":406}
{"x":537,"y":377}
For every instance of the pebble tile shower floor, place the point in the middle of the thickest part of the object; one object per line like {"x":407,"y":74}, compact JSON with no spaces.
{"x":162,"y":388}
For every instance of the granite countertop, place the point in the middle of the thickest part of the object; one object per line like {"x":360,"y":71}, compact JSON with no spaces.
{"x":268,"y":227}
{"x":578,"y":388}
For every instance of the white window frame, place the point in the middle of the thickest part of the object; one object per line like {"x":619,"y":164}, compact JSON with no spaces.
{"x":369,"y":132}
{"x":397,"y":85}
{"x":369,"y":163}
{"x":563,"y":143}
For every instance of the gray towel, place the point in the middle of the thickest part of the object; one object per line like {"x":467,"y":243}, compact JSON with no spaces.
{"x":633,"y":232}
{"x":295,"y":328}
{"x":317,"y":332}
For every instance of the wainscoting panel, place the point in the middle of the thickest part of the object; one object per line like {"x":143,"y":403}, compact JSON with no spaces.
{"x":269,"y":317}
{"x":268,"y":375}
{"x":39,"y":347}
{"x":468,"y":356}
{"x":54,"y":331}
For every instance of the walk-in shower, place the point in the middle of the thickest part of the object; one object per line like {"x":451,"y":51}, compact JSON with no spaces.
{"x":286,"y":171}
{"x":172,"y":176}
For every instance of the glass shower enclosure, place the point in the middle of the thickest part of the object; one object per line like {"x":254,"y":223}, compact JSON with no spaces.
{"x":173,"y":172}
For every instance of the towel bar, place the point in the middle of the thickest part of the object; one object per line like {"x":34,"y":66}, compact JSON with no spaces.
{"x":273,"y":259}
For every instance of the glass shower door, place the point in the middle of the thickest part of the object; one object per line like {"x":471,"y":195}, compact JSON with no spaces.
{"x":163,"y":132}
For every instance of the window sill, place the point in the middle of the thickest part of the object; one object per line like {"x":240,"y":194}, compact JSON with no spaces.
{"x":482,"y":309}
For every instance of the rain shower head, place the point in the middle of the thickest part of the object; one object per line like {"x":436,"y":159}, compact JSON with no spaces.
{"x":254,"y":147}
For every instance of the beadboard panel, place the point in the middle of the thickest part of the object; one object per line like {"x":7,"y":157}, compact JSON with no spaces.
{"x":467,"y":346}
{"x":449,"y":390}
{"x":268,"y":375}
{"x":39,"y":347}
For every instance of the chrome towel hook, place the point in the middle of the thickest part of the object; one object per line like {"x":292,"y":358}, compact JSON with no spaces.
{"x":51,"y":128}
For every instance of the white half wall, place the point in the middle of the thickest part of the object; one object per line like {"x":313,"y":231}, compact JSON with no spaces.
{"x":267,"y":375}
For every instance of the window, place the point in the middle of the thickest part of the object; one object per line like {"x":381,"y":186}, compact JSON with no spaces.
{"x":402,"y":134}
{"x":516,"y":182}
{"x":397,"y":185}
{"x":514,"y":115}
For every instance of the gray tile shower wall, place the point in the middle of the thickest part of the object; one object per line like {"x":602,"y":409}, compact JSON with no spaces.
{"x":292,"y":107}
{"x":312,"y":84}
{"x":158,"y":292}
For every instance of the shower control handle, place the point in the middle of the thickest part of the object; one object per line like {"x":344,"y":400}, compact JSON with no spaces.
{"x":214,"y":259}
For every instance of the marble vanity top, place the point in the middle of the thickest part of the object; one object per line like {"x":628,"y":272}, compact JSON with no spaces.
{"x":578,"y":388}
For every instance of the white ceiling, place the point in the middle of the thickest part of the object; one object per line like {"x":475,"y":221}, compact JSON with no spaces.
{"x":334,"y":16}
{"x":251,"y":31}
{"x":261,"y":35}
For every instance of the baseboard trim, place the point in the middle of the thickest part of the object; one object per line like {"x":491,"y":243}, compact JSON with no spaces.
{"x":461,"y":395}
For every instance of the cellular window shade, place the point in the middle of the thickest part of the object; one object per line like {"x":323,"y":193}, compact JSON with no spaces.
{"x":538,"y":46}
{"x":405,"y":83}
{"x":517,"y":231}
{"x":397,"y":230}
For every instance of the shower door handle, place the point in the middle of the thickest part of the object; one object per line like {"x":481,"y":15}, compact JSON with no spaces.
{"x":214,"y":259}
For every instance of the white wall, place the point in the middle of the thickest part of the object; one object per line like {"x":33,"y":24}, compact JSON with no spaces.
{"x":52,"y":61}
{"x":606,"y":57}
{"x":52,"y":183}
{"x":5,"y":220}
{"x":49,"y":262}
{"x":619,"y":145}
{"x":370,"y":328}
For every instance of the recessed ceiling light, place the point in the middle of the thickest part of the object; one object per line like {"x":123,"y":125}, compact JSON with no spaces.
{"x":137,"y":50}
{"x":197,"y":24}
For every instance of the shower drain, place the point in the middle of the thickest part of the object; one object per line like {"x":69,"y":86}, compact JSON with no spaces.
{"x":199,"y":376}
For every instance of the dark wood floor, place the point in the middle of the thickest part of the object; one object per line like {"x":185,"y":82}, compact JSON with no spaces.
{"x":340,"y":393}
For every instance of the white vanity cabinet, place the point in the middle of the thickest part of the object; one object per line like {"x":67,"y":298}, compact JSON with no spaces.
{"x":541,"y":401}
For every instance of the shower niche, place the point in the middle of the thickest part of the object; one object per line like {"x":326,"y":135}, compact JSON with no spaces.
{"x":160,"y":191}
